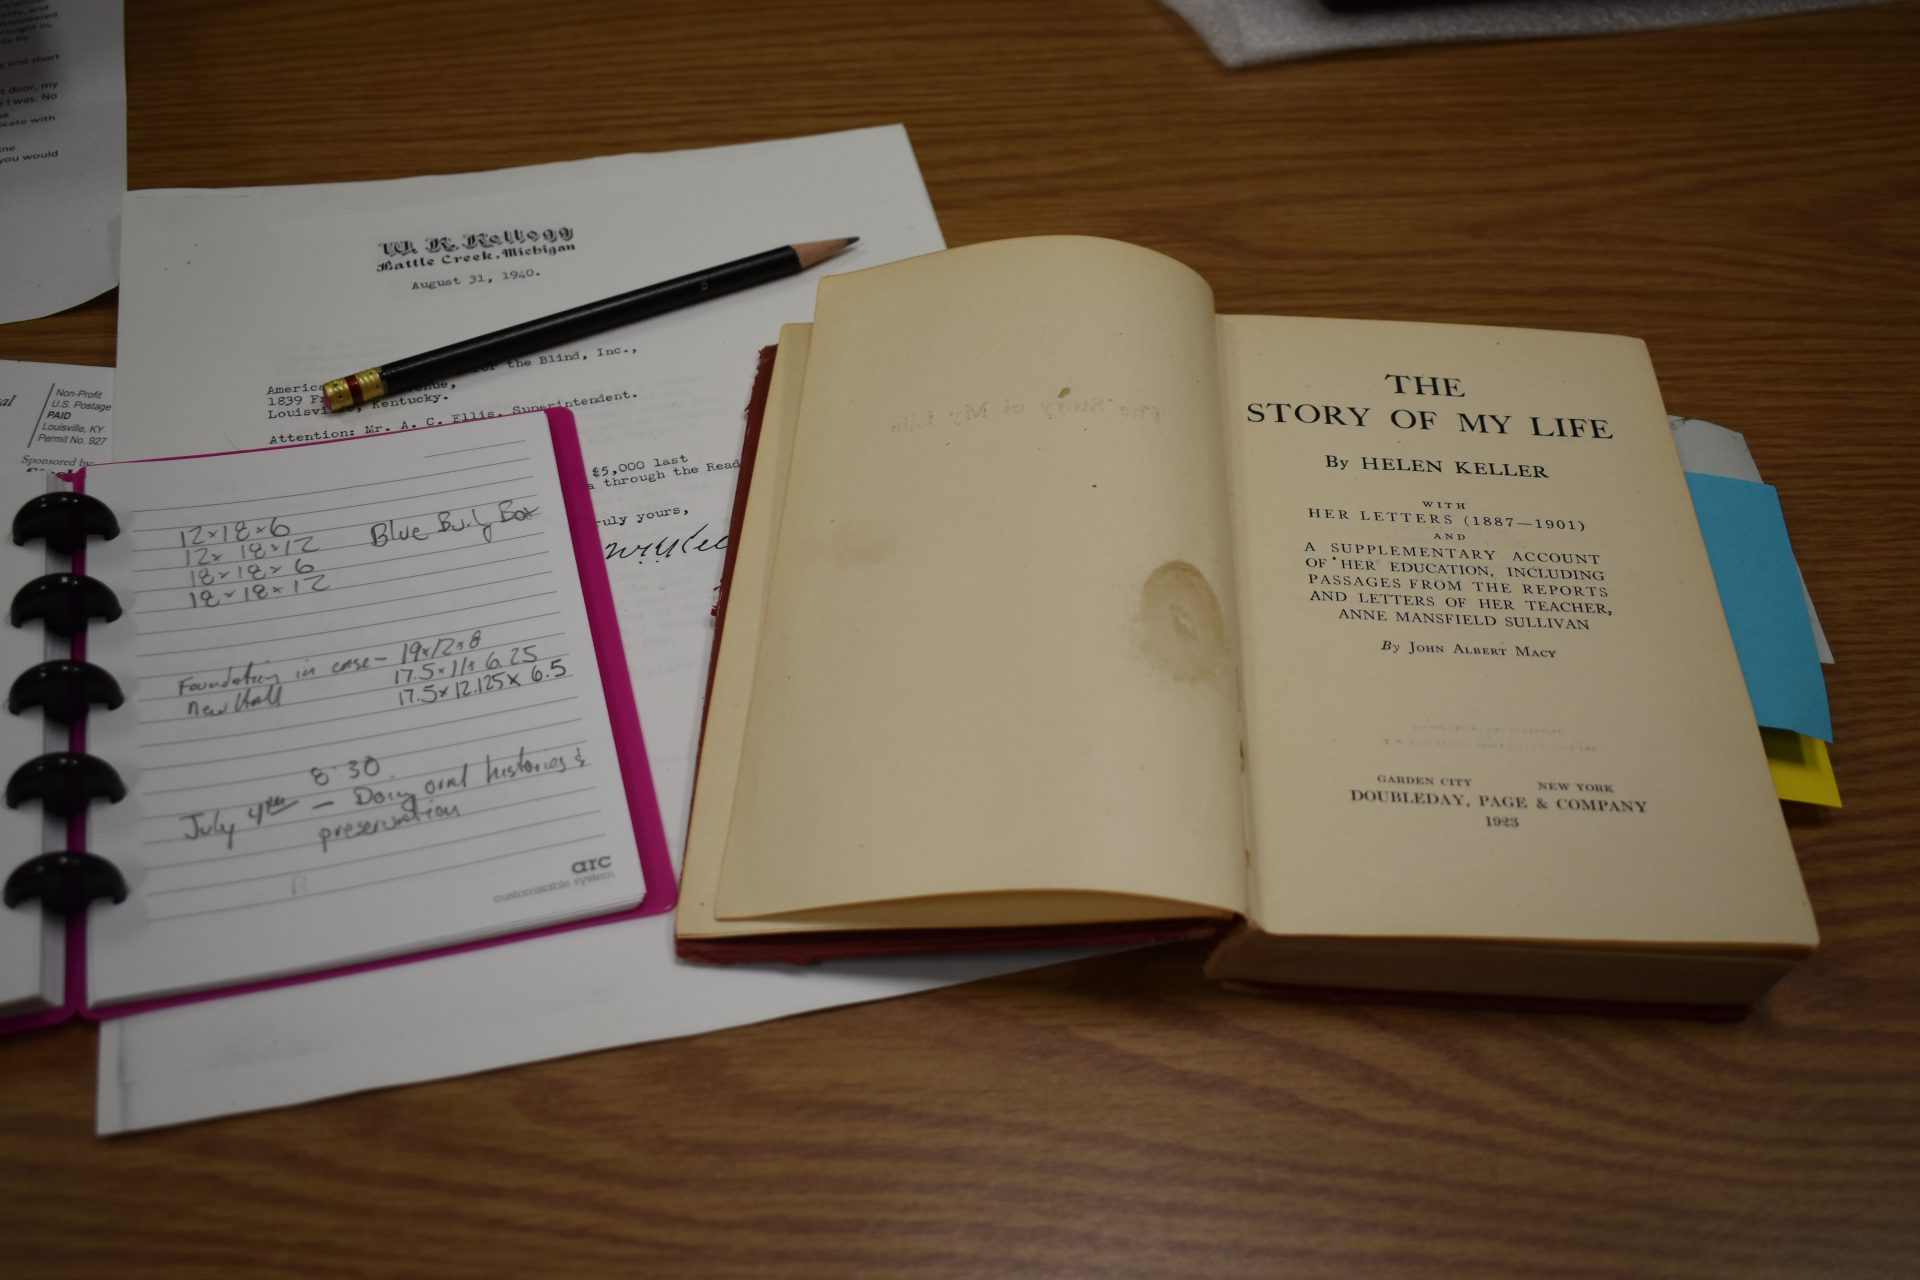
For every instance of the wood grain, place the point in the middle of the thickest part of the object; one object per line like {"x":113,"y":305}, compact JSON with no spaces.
{"x":1742,"y":196}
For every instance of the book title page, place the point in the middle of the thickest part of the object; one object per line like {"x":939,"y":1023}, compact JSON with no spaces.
{"x":1489,"y":691}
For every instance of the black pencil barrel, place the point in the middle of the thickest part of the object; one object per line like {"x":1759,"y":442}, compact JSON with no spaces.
{"x":579,"y":322}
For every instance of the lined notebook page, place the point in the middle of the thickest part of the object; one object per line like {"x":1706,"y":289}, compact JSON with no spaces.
{"x":31,"y":967}
{"x":363,"y":717}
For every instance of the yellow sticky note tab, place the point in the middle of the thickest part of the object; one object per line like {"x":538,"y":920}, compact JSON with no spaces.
{"x":1802,"y":768}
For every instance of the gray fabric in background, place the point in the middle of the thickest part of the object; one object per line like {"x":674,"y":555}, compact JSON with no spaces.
{"x":1244,"y":32}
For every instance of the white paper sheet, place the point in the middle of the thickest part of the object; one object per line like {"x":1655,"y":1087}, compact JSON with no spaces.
{"x":54,"y":417}
{"x":211,"y":281}
{"x":63,"y":152}
{"x":237,"y":305}
{"x":568,"y":993}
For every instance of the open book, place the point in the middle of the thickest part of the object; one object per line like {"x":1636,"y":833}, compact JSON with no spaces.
{"x":1061,"y":605}
{"x":340,"y":704}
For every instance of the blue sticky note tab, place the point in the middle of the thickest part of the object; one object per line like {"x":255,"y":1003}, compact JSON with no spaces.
{"x":1766,"y":607}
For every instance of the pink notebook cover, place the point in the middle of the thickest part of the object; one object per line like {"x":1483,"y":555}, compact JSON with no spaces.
{"x":656,"y":862}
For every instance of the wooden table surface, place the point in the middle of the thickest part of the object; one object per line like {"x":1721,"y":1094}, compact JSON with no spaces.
{"x":1742,"y":196}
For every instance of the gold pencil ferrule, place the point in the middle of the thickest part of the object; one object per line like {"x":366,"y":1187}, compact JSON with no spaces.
{"x":363,"y":387}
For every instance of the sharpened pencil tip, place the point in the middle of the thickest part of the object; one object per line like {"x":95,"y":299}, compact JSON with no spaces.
{"x":820,"y":250}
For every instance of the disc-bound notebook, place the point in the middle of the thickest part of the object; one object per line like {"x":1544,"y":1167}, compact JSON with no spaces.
{"x":290,"y":711}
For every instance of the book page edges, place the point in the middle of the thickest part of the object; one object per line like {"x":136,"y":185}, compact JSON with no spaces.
{"x":1706,"y":973}
{"x":730,"y":685}
{"x":812,"y":946}
{"x":1009,"y":909}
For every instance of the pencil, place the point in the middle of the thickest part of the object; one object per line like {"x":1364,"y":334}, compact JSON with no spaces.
{"x":575,"y":323}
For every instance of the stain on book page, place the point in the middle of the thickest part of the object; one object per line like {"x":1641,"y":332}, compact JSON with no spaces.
{"x":855,"y":542}
{"x":1181,"y":627}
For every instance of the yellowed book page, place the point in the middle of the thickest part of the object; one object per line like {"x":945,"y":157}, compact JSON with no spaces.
{"x":1489,"y":691}
{"x":996,"y":658}
{"x":726,"y":719}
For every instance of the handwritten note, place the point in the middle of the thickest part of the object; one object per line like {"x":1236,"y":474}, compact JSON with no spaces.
{"x":364,"y":715}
